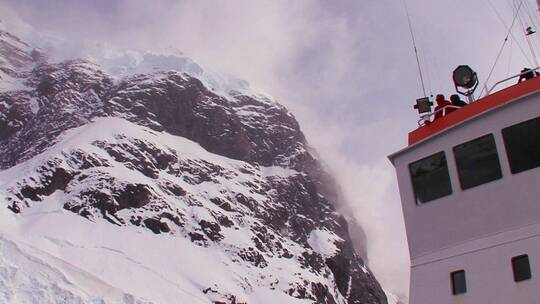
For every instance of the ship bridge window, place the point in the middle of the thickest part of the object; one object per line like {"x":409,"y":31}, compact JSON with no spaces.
{"x":430,"y":178}
{"x":477,"y":162}
{"x":522,"y":142}
{"x":459,"y":282}
{"x":521,"y":268}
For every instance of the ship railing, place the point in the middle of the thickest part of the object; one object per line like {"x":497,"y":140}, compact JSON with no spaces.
{"x":427,"y":117}
{"x":534,"y":71}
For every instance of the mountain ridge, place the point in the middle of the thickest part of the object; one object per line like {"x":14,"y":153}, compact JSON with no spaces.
{"x":163,"y":154}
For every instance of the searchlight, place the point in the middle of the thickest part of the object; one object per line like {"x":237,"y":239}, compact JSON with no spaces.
{"x":465,"y":78}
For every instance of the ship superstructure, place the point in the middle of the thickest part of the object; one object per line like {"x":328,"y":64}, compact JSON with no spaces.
{"x":470,"y":189}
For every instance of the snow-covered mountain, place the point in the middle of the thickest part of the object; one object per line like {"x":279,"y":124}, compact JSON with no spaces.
{"x":161,"y":183}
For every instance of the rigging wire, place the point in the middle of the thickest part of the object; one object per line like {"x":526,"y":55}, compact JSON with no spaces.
{"x":533,"y":17}
{"x":502,"y":46}
{"x":523,"y":27}
{"x":510,"y":30}
{"x":509,"y":58}
{"x":513,"y":6}
{"x":534,"y":24}
{"x":415,"y":48}
{"x":528,"y":11}
{"x":536,"y":18}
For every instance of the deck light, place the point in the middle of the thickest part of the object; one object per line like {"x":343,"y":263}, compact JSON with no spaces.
{"x":423,"y":105}
{"x":464,"y":77}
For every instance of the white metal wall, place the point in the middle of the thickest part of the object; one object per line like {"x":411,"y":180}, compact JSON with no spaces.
{"x":489,"y":276}
{"x":471,"y":216}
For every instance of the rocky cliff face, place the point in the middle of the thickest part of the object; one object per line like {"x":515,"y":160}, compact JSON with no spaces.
{"x":163,"y":153}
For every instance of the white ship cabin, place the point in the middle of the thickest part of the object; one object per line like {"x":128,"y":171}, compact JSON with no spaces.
{"x":470,"y":188}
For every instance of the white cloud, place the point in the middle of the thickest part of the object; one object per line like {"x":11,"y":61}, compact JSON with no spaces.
{"x":345,"y":68}
{"x":300,"y":51}
{"x":369,"y":187}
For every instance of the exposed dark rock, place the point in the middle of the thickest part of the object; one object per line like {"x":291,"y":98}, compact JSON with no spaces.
{"x":52,"y":181}
{"x":175,"y":193}
{"x":221,"y":203}
{"x":173,"y":218}
{"x":251,"y":255}
{"x":174,"y":189}
{"x":156,"y":225}
{"x":133,"y":196}
{"x":196,"y":237}
{"x":211,"y":230}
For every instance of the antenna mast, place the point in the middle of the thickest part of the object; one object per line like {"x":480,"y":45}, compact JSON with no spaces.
{"x":415,"y":48}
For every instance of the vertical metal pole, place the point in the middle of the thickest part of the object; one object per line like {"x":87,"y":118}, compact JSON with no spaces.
{"x":415,"y":48}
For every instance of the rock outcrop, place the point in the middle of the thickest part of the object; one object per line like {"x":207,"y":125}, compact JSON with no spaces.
{"x":166,"y":153}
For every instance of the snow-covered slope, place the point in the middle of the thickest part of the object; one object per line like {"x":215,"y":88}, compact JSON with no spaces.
{"x":159,"y":188}
{"x":15,"y":60}
{"x":125,"y":63}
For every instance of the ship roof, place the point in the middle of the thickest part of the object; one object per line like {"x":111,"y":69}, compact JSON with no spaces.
{"x":471,"y":111}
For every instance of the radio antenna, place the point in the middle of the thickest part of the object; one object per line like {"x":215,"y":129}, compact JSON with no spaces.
{"x":415,"y":48}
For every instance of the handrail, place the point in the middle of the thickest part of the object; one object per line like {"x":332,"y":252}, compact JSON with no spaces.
{"x":427,"y":117}
{"x":511,"y":77}
{"x":421,"y":121}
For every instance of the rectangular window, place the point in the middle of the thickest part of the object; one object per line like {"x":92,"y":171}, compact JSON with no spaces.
{"x":430,"y":178}
{"x":522,"y":143}
{"x":459,"y":284}
{"x":477,"y":162}
{"x":521,"y":268}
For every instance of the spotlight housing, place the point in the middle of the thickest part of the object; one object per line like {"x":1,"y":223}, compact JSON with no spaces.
{"x":466,"y":78}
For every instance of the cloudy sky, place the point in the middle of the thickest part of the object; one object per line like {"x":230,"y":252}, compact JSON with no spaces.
{"x":345,"y":68}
